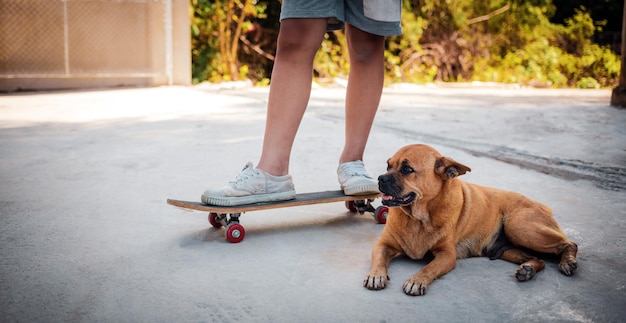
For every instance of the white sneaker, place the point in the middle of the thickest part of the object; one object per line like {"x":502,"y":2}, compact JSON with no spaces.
{"x":252,"y":185}
{"x":354,"y":179}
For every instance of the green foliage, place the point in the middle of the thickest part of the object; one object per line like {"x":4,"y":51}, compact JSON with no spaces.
{"x":203,"y":43}
{"x":220,"y":30}
{"x":405,"y":60}
{"x":331,"y":59}
{"x":510,"y":41}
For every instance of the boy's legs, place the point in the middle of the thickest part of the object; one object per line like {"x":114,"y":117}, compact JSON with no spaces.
{"x":290,"y":89}
{"x":299,"y":40}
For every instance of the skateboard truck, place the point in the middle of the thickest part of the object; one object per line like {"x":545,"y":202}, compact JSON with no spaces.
{"x":362,"y":206}
{"x":234,"y":231}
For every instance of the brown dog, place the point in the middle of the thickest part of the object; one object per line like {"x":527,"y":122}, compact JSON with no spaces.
{"x":433,"y":211}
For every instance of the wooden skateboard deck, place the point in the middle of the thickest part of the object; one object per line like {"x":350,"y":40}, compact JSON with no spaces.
{"x":228,"y":216}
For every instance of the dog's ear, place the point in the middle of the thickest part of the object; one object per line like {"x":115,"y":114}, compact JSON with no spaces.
{"x":448,"y":168}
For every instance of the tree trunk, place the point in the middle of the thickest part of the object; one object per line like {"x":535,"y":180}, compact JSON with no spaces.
{"x":618,"y":98}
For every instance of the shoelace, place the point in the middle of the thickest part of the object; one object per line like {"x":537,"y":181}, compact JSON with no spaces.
{"x":245,"y":174}
{"x":355,"y":170}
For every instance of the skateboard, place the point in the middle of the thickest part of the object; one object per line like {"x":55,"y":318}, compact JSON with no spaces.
{"x":228,"y":216}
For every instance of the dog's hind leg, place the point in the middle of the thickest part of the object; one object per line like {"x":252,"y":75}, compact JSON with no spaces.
{"x":537,"y":230}
{"x":528,"y":265}
{"x":568,"y":264}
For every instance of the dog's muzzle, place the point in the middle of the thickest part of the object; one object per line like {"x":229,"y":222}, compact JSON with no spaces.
{"x":391,"y":192}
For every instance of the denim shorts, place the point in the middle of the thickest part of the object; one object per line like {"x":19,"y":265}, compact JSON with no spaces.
{"x":379,"y":17}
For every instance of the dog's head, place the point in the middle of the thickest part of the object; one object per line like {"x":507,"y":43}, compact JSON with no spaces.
{"x":416,"y":173}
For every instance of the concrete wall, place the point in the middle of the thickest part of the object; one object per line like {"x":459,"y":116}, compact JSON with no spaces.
{"x":85,"y":43}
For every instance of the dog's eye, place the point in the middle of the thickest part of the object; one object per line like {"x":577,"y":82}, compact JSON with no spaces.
{"x":406,"y":169}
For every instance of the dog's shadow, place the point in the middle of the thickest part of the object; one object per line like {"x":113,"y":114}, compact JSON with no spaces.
{"x":406,"y":266}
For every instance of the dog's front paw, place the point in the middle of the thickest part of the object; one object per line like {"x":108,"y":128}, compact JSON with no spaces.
{"x":375,"y":282}
{"x":415,"y":287}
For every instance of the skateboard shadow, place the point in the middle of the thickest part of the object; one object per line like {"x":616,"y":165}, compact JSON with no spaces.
{"x":201,"y":237}
{"x":259,"y":230}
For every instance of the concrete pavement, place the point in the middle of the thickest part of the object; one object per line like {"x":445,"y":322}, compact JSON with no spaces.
{"x":85,"y":234}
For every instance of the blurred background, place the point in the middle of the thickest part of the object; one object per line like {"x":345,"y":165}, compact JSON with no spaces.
{"x":94,"y":43}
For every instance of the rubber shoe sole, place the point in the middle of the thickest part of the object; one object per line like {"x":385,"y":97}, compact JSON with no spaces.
{"x":361,"y":189}
{"x":249,"y":199}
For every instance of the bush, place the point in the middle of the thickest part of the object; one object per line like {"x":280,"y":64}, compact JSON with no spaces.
{"x":510,"y":41}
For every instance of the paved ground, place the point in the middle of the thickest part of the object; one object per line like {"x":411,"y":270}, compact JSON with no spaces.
{"x":86,"y":235}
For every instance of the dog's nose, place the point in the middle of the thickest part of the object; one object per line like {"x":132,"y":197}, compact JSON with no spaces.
{"x":383,"y":178}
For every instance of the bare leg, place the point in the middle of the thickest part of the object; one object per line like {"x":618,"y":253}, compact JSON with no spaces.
{"x":365,"y":85}
{"x":290,"y":89}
